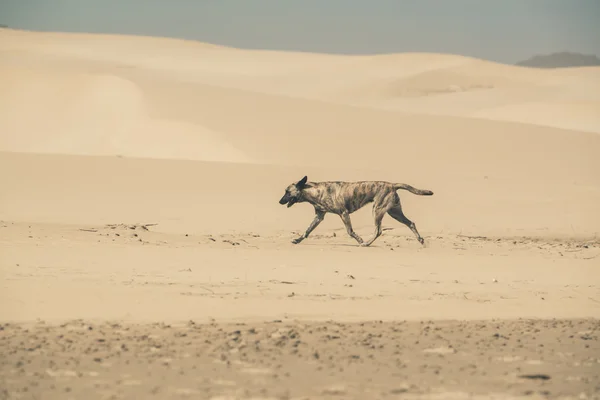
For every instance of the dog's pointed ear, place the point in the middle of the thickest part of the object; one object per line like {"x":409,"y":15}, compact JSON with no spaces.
{"x":302,"y":182}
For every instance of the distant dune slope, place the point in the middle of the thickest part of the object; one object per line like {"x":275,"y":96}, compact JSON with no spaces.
{"x":140,"y":96}
{"x":50,"y":111}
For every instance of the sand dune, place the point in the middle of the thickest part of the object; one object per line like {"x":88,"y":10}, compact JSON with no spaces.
{"x":422,"y":83}
{"x":232,"y":110}
{"x":140,"y":180}
{"x":96,"y":114}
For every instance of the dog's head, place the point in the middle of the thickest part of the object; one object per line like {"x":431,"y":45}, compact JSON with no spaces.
{"x":293,"y":193}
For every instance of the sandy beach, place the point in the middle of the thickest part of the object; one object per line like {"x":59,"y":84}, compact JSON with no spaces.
{"x":143,"y":252}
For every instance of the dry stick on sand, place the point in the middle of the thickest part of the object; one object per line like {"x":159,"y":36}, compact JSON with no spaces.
{"x":133,"y":227}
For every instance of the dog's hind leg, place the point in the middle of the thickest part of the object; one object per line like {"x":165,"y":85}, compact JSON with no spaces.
{"x":378,"y":214}
{"x":345,"y":216}
{"x":398,"y":215}
{"x":319,"y":216}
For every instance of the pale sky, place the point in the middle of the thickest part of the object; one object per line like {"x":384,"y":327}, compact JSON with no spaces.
{"x":498,"y":30}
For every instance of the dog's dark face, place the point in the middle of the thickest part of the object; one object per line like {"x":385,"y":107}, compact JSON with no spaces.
{"x":293,"y":193}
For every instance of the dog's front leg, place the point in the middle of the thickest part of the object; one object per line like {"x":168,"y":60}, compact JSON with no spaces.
{"x":319,"y":216}
{"x":348,"y":224}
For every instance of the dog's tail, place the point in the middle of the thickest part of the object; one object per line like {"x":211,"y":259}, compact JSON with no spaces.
{"x":412,"y":189}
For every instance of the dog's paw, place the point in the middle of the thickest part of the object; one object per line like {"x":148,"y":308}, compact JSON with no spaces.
{"x":422,"y":241}
{"x":363,"y":244}
{"x":297,"y":240}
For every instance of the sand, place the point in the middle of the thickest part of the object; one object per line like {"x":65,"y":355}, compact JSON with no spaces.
{"x":282,"y":360}
{"x":143,"y":252}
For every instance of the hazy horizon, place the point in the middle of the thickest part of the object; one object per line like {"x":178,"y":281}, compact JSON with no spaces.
{"x":507,"y":31}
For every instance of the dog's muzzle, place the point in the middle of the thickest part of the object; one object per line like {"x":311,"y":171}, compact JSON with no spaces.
{"x":286,"y":199}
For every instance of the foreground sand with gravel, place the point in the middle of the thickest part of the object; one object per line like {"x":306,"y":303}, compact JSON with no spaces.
{"x":526,"y":359}
{"x":239,"y":321}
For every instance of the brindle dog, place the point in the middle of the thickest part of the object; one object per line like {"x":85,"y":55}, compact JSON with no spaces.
{"x":344,"y":198}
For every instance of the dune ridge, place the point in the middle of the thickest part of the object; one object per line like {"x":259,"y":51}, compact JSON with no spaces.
{"x":426,"y":84}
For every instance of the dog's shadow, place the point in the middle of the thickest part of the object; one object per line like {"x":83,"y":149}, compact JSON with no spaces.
{"x":336,"y":232}
{"x":333,"y":245}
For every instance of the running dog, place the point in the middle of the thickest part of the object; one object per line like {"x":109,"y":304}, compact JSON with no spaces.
{"x":344,"y":198}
